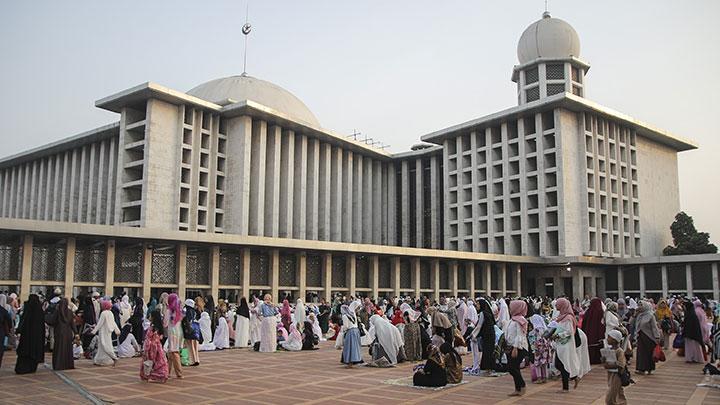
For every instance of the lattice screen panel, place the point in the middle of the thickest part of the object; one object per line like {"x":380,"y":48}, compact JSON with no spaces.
{"x":444,"y":276}
{"x":11,"y":252}
{"x":531,"y":75}
{"x":259,"y":267}
{"x":338,"y":271}
{"x":128,"y":263}
{"x":461,"y":277}
{"x":313,"y":274}
{"x":197,"y":266}
{"x":163,"y":265}
{"x":555,"y":72}
{"x":230,"y":267}
{"x":405,"y":274}
{"x":384,"y":274}
{"x":89,"y":261}
{"x":362,"y":271}
{"x":425,"y":275}
{"x":288,"y":269}
{"x":48,"y":260}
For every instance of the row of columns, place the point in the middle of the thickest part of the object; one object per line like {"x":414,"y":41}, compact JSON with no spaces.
{"x":274,"y":268}
{"x":665,"y":284}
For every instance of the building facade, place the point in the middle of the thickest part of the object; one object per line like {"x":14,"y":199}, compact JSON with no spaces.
{"x":234,"y":188}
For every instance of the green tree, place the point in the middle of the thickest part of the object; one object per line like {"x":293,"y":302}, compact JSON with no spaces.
{"x":687,"y":240}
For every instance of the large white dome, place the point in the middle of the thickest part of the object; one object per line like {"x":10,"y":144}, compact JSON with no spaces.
{"x":548,"y":38}
{"x":241,"y":88}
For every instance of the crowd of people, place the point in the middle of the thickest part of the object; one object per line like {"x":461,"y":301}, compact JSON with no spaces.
{"x":555,"y":338}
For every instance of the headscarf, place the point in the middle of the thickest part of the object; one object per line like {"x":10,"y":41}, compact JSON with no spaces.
{"x":151,"y":306}
{"x":174,"y":309}
{"x":243,"y":309}
{"x":538,"y":323}
{"x":388,"y":337}
{"x":106,"y":305}
{"x":663,"y":310}
{"x":632,"y":304}
{"x":435,"y":356}
{"x":461,"y":313}
{"x":125,"y":303}
{"x":280,"y":328}
{"x":300,"y":312}
{"x":503,"y":313}
{"x":438,"y":318}
{"x":397,"y":317}
{"x":566,"y":313}
{"x":413,"y":314}
{"x":645,"y":321}
{"x":471,"y":314}
{"x":702,"y":319}
{"x":285,"y":310}
{"x":518,"y":309}
{"x":4,"y":304}
{"x":447,"y":348}
{"x":65,"y":315}
{"x":124,"y":332}
{"x":294,"y":333}
{"x":592,"y":323}
{"x":210,"y":304}
{"x":32,"y":330}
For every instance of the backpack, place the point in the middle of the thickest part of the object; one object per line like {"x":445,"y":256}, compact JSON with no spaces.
{"x":188,"y":331}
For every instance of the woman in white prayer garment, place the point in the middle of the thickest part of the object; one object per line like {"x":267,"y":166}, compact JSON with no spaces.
{"x":206,"y":333}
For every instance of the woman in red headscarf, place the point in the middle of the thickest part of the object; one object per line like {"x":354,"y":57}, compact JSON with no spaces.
{"x":593,"y":327}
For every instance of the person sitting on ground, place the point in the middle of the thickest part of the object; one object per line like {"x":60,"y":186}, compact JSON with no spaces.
{"x":433,"y":373}
{"x":453,"y":364}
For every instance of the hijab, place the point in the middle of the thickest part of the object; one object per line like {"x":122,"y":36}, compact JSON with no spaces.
{"x":285,"y":310}
{"x":446,"y":348}
{"x":518,"y":310}
{"x":566,"y":313}
{"x":702,"y":319}
{"x":243,"y":309}
{"x":32,"y":330}
{"x":592,"y":323}
{"x":283,"y":332}
{"x":65,"y":315}
{"x":538,"y":323}
{"x":388,"y":337}
{"x":294,"y":333}
{"x":645,"y":320}
{"x":174,"y":310}
{"x":300,"y":312}
{"x":438,"y":318}
{"x":124,"y":332}
{"x":413,"y":314}
{"x":663,"y":310}
{"x":503,"y":312}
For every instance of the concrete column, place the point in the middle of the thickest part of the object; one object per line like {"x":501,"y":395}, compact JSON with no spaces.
{"x":518,"y":279}
{"x":396,"y":276}
{"x":274,"y":274}
{"x":375,"y":275}
{"x":239,"y":132}
{"x":103,"y":175}
{"x":324,"y":193}
{"x":688,"y":279}
{"x":92,"y":191}
{"x":715,"y":281}
{"x":621,"y":282}
{"x":109,"y":266}
{"x":246,"y":273}
{"x":350,"y":267}
{"x":641,"y":272}
{"x":391,"y":205}
{"x":336,"y":194}
{"x":454,"y":278}
{"x":70,"y":245}
{"x":487,"y":273}
{"x":435,"y":194}
{"x":215,"y":272}
{"x":405,"y":201}
{"x":367,"y":203}
{"x":503,"y":278}
{"x":357,"y":206}
{"x":26,"y":272}
{"x":313,"y":177}
{"x":273,"y":177}
{"x":664,"y":275}
{"x":300,"y":191}
{"x":347,"y":190}
{"x":147,"y":272}
{"x":419,"y":206}
{"x":379,"y":213}
{"x":302,"y":275}
{"x":287,"y":185}
{"x":470,"y":274}
{"x":415,"y":266}
{"x":257,"y":177}
{"x":31,"y":211}
{"x":111,"y":186}
{"x":577,"y":283}
{"x":435,"y":274}
{"x":182,"y":270}
{"x":327,"y":276}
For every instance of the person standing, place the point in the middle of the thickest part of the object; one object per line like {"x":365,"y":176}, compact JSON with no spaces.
{"x":268,"y":330}
{"x":664,"y":317}
{"x":592,"y":325}
{"x":615,"y":393}
{"x":31,"y":335}
{"x":516,"y":337}
{"x":566,"y":357}
{"x":63,"y":322}
{"x":647,"y":336}
{"x":191,"y":340}
{"x":351,"y":335}
{"x":242,"y":324}
{"x":154,"y":367}
{"x":173,"y":324}
{"x":324,"y":316}
{"x":6,"y":323}
{"x":105,"y":327}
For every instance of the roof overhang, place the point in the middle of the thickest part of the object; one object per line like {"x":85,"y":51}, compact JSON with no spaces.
{"x":570,"y":102}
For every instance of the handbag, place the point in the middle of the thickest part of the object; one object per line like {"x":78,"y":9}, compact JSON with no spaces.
{"x":625,"y":377}
{"x":361,"y":329}
{"x":658,"y":354}
{"x":679,"y":341}
{"x":148,"y":367}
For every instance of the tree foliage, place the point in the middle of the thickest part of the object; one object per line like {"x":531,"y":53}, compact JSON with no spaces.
{"x":687,"y":240}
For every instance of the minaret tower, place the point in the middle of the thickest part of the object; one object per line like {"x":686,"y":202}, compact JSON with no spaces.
{"x":548,"y":52}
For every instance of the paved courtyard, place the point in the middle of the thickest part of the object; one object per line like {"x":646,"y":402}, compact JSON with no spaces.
{"x":243,"y":376}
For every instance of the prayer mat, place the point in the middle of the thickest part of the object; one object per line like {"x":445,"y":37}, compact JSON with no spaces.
{"x":408,"y":382}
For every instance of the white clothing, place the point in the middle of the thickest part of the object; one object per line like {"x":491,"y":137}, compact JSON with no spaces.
{"x":242,"y":331}
{"x":515,"y":337}
{"x":255,"y":325}
{"x":129,"y":347}
{"x":78,"y":352}
{"x":583,"y":354}
{"x":566,"y":353}
{"x":206,"y":333}
{"x":300,"y":314}
{"x":503,"y":315}
{"x":125,"y":310}
{"x":294,"y":341}
{"x":221,"y":340}
{"x":388,"y":336}
{"x":105,"y":327}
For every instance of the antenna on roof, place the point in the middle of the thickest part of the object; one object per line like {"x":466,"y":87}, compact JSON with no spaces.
{"x":546,"y":6}
{"x":246,"y":28}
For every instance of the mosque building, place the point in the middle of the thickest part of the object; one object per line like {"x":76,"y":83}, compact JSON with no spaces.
{"x":234,"y":188}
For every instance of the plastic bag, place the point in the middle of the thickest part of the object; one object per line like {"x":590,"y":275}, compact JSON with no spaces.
{"x":658,"y":354}
{"x":185,"y":357}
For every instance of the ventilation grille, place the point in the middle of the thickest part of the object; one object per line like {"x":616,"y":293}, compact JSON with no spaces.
{"x":555,"y":72}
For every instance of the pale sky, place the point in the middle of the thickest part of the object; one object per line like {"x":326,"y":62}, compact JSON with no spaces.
{"x":391,"y":70}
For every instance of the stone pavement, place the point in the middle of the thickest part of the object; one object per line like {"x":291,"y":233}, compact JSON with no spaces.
{"x":242,"y":376}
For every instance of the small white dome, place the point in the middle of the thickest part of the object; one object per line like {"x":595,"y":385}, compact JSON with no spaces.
{"x":548,"y":38}
{"x":241,"y":88}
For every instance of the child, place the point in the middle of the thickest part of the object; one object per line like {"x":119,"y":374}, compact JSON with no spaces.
{"x":540,"y":349}
{"x":77,"y":348}
{"x":615,"y":394}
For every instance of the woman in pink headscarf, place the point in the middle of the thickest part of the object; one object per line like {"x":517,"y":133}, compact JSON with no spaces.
{"x":516,"y":337}
{"x":566,"y":358}
{"x":286,"y":314}
{"x":173,"y":324}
